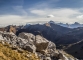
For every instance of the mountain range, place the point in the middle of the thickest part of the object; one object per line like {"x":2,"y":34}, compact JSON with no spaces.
{"x":60,"y":35}
{"x":67,"y":39}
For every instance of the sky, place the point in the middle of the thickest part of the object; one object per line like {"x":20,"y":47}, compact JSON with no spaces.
{"x":24,"y":11}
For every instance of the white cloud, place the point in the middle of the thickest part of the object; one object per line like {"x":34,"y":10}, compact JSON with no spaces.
{"x":50,"y":16}
{"x":40,"y":11}
{"x":65,"y":15}
{"x":58,"y":12}
{"x":12,"y":19}
{"x":80,"y":17}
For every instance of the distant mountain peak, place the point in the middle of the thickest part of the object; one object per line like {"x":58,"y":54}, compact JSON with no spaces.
{"x":47,"y":24}
{"x":76,"y":23}
{"x":51,"y":22}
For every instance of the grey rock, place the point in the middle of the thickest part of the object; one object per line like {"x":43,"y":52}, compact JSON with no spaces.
{"x":47,"y":58}
{"x":20,"y":50}
{"x":62,"y":56}
{"x":28,"y":36}
{"x":41,"y":43}
{"x":30,"y":47}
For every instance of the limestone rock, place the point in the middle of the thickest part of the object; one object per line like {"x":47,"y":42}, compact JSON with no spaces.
{"x":45,"y":49}
{"x":48,"y":58}
{"x":41,"y":43}
{"x":62,"y":56}
{"x":30,"y":37}
{"x":30,"y":47}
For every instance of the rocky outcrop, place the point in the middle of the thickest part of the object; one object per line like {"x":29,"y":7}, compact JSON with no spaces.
{"x":41,"y":43}
{"x":38,"y":45}
{"x":47,"y":24}
{"x":28,"y":36}
{"x":17,"y":41}
{"x":62,"y":56}
{"x":7,"y":53}
{"x":2,"y":29}
{"x":9,"y":28}
{"x":30,"y":47}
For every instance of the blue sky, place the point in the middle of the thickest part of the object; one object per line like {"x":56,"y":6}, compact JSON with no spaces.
{"x":22,"y":11}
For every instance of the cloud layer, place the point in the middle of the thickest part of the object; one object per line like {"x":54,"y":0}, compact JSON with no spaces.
{"x":22,"y":13}
{"x":64,"y":15}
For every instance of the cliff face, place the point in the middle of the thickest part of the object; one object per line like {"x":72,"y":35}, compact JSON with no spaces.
{"x":38,"y":45}
{"x":9,"y":28}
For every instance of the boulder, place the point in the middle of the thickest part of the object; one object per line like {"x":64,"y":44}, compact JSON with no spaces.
{"x":21,"y":42}
{"x":28,"y":36}
{"x":62,"y":56}
{"x":41,"y":43}
{"x":19,"y":50}
{"x":71,"y":59}
{"x":30,"y":47}
{"x":48,"y":58}
{"x":51,"y":45}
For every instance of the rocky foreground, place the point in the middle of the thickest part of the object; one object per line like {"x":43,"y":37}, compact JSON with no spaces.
{"x":41,"y":47}
{"x":8,"y":53}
